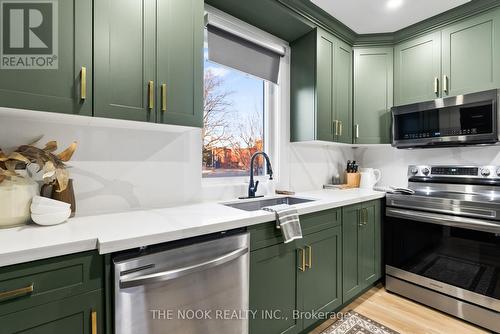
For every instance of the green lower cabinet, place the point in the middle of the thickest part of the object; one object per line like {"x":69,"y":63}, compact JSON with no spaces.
{"x":75,"y":315}
{"x":303,"y":276}
{"x":58,"y":88}
{"x":361,"y":250}
{"x":320,"y":285}
{"x":273,"y":287}
{"x":373,"y":95}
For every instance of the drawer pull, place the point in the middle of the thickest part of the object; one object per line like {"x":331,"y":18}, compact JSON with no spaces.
{"x":151,"y":95}
{"x":164,"y":97}
{"x":308,"y":264}
{"x":83,"y":83}
{"x":7,"y":295}
{"x":94,"y":322}
{"x":302,"y":267}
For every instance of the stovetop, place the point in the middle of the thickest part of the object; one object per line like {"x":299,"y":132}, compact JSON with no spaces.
{"x":471,"y":191}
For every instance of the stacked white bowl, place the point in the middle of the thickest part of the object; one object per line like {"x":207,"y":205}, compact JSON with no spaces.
{"x":46,"y":211}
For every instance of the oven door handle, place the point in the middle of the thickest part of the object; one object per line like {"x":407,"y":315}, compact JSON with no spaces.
{"x":446,"y":220}
{"x":167,"y":275}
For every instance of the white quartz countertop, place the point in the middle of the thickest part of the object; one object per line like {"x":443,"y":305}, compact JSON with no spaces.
{"x":121,"y":231}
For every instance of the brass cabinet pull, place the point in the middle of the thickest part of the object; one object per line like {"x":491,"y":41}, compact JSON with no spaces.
{"x":83,"y":83}
{"x":308,"y":264}
{"x":365,"y":221}
{"x":436,"y":85}
{"x":164,"y":97}
{"x":340,"y":128}
{"x":151,"y":95}
{"x":335,"y":128}
{"x":7,"y":295}
{"x":302,"y":267}
{"x":356,"y":130}
{"x":446,"y":84}
{"x":93,"y":316}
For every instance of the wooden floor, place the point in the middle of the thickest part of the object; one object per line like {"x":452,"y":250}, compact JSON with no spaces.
{"x":404,"y":316}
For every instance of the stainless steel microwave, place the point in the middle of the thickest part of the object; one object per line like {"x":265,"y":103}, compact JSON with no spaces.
{"x":470,"y":119}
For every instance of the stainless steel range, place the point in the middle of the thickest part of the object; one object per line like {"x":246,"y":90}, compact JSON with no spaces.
{"x":442,"y":244}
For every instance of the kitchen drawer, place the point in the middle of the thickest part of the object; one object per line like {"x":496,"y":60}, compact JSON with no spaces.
{"x":52,"y":279}
{"x":82,"y":314}
{"x":265,"y":235}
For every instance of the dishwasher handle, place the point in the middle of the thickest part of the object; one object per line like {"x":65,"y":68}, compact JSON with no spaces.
{"x":167,"y":275}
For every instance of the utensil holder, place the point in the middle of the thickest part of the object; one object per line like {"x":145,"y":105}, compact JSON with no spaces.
{"x":353,"y":180}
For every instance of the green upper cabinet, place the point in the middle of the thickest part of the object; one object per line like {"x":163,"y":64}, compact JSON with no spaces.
{"x":58,"y":89}
{"x":180,"y":62}
{"x":373,"y":95}
{"x":321,"y":94}
{"x":124,"y":56}
{"x":417,"y":69}
{"x":471,"y":55}
{"x":361,"y":247}
{"x":320,"y":285}
{"x":148,"y":60}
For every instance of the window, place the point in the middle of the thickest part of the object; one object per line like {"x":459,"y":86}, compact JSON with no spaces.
{"x":233,"y":121}
{"x":237,"y":80}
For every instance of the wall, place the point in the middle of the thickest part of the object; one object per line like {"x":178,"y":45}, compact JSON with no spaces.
{"x":119,"y":165}
{"x":394,"y":162}
{"x":123,"y":165}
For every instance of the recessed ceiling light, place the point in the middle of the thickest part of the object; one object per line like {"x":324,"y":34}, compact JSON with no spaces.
{"x":393,"y":4}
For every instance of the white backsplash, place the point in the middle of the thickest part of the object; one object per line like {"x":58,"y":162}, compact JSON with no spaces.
{"x":123,"y":165}
{"x":394,"y":162}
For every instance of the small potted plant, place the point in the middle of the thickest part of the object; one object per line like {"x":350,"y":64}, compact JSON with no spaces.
{"x":17,"y":188}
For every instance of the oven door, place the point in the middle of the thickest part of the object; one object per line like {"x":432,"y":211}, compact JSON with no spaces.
{"x":453,"y":255}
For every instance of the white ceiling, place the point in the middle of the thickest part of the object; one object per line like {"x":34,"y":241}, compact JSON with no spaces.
{"x":379,"y":16}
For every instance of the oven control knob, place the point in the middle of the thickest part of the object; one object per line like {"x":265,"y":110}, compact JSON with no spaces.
{"x":414,"y":170}
{"x":425,"y":171}
{"x":485,"y":172}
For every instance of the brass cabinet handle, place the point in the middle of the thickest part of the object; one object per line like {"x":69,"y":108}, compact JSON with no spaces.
{"x":164,"y":97}
{"x":302,"y":267}
{"x":151,"y":94}
{"x":308,"y":264}
{"x":446,"y":84}
{"x":7,"y":295}
{"x":340,"y":128}
{"x":335,"y":127}
{"x":356,"y":130}
{"x":83,"y":83}
{"x":365,"y":221}
{"x":436,"y":85}
{"x":93,"y":317}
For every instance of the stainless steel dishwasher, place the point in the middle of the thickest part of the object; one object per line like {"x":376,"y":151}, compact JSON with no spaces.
{"x":195,"y":286}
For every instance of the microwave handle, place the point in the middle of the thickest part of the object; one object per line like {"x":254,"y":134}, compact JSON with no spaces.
{"x":167,"y":275}
{"x":445,"y":220}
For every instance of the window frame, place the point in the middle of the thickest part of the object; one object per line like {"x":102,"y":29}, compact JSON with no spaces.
{"x":276,"y":106}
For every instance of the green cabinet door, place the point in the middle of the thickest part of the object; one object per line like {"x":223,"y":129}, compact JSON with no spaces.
{"x":325,"y":86}
{"x":71,"y":315}
{"x":361,"y":247}
{"x":124,"y":59}
{"x":343,"y":92}
{"x":320,"y":286}
{"x":180,"y":62}
{"x":373,"y":95}
{"x":370,"y":249}
{"x":321,"y":88}
{"x":417,"y":69}
{"x":273,"y":287}
{"x":351,"y":276}
{"x":57,"y":90}
{"x":471,"y":55}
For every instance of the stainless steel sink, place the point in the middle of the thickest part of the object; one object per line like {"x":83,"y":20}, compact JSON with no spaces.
{"x":255,"y":205}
